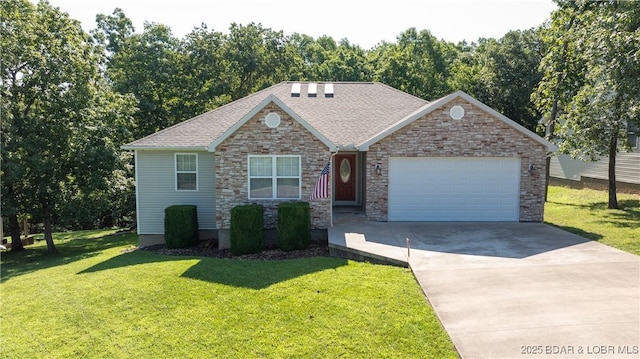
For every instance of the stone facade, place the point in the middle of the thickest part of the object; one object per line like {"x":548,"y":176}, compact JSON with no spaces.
{"x":256,"y":138}
{"x":477,"y":134}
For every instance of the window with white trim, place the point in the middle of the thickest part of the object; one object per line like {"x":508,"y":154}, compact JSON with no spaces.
{"x":186,"y":171}
{"x":274,"y":177}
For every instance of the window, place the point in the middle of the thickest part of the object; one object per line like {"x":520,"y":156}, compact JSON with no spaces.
{"x":634,"y":139}
{"x":274,"y":177}
{"x":186,"y":172}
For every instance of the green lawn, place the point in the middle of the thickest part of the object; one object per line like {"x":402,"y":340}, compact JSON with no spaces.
{"x":584,"y":212}
{"x":98,"y":299}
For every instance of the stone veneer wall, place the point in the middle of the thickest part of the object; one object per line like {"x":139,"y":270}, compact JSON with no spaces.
{"x":255,"y":138}
{"x":477,"y":134}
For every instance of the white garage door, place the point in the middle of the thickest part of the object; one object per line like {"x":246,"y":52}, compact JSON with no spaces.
{"x":454,"y":189}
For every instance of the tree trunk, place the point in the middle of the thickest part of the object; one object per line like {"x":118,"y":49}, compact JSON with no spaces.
{"x":14,"y":229}
{"x":48,"y":232}
{"x":550,"y":130}
{"x":613,"y":149}
{"x":547,"y":177}
{"x":551,"y":127}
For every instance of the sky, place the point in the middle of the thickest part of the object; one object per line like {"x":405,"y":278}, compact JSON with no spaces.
{"x":365,"y":23}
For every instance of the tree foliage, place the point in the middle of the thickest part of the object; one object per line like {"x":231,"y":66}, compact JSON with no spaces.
{"x":591,"y":79}
{"x":502,"y":73}
{"x":54,"y":116}
{"x":112,"y":31}
{"x":418,"y":64}
{"x":70,"y":100}
{"x":325,"y":59}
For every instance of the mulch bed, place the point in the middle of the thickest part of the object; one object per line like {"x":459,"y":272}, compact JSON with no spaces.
{"x":210,"y":249}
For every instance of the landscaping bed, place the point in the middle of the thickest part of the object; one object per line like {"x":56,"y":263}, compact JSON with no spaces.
{"x":210,"y":249}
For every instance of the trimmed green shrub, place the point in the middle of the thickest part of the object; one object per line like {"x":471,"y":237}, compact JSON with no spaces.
{"x":247,"y":229}
{"x":294,"y":225}
{"x":181,"y":226}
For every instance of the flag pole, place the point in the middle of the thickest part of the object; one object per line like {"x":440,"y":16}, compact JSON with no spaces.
{"x":332,"y":182}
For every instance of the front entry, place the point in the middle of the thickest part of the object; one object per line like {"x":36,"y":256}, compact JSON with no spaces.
{"x":344,"y":174}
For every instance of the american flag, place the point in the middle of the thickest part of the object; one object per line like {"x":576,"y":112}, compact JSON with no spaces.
{"x":322,"y":186}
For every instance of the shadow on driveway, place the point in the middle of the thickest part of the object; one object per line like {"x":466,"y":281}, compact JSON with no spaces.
{"x":487,"y":239}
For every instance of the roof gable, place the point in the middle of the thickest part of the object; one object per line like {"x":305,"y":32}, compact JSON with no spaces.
{"x":269,"y":99}
{"x":199,"y":131}
{"x":430,"y":107}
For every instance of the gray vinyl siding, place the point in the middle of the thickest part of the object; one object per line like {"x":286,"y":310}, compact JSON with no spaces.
{"x":156,"y":190}
{"x":627,"y":168}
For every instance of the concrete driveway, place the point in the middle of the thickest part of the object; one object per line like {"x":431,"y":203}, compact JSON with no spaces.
{"x":514,"y":290}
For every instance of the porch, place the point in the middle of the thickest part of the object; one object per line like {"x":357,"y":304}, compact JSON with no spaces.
{"x":346,"y":238}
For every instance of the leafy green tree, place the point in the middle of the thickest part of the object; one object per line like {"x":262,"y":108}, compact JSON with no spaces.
{"x":514,"y":64}
{"x":257,"y":58}
{"x":346,"y":62}
{"x":595,"y":124}
{"x":103,"y":195}
{"x":325,"y":60}
{"x":206,"y":71}
{"x":418,"y":64}
{"x":502,"y":73}
{"x":174,"y":80}
{"x":147,"y":66}
{"x":51,"y":90}
{"x":306,"y":54}
{"x":112,"y":31}
{"x":17,"y":18}
{"x":562,"y":72}
{"x":469,"y":73}
{"x":591,"y":80}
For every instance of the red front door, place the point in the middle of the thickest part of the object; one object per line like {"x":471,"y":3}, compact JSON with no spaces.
{"x":344,"y":174}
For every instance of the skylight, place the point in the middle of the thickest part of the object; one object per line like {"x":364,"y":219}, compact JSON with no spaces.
{"x":328,"y":90}
{"x":313,"y":90}
{"x":295,"y":90}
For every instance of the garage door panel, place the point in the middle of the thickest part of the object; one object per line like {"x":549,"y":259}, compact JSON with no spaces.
{"x":454,"y":189}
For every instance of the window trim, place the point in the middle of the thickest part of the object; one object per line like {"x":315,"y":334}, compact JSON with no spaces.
{"x":176,"y":172}
{"x":274,"y":177}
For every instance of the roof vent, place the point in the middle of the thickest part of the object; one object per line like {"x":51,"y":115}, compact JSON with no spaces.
{"x":328,"y":90}
{"x":456,"y":112}
{"x":272,"y":120}
{"x":295,"y":90}
{"x":313,"y":90}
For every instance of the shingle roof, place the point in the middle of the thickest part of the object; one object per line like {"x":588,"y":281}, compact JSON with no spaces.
{"x":357,"y":112}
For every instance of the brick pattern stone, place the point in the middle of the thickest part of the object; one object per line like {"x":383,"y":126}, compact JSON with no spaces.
{"x":255,"y":138}
{"x":477,"y":134}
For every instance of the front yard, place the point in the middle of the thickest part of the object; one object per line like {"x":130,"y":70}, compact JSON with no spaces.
{"x":99,"y":299}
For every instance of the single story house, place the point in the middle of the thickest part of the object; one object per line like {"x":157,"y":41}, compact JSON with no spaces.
{"x":398,"y":157}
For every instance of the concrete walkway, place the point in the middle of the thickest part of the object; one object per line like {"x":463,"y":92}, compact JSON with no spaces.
{"x":514,"y":290}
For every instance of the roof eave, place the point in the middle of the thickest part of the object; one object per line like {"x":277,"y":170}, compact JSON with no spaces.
{"x":164,"y":148}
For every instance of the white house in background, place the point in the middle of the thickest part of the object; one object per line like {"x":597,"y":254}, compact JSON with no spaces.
{"x":627,"y":166}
